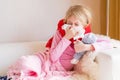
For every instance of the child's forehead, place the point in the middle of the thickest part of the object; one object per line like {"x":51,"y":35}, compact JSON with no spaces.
{"x":73,"y":20}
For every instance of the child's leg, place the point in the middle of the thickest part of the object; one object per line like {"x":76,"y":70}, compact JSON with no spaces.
{"x":25,"y":67}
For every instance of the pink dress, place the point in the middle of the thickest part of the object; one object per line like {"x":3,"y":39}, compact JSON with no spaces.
{"x":56,"y":62}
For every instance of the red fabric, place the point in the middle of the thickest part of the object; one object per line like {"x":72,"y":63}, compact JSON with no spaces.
{"x":49,"y":42}
{"x":62,"y":32}
{"x":32,"y":73}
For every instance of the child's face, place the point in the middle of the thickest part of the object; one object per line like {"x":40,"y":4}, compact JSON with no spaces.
{"x":74,"y":22}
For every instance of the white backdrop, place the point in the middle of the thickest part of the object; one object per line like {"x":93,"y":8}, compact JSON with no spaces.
{"x":36,"y":20}
{"x":30,"y":20}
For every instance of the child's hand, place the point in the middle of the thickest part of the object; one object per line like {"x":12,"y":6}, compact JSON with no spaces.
{"x":70,"y":33}
{"x":79,"y":46}
{"x":78,"y":32}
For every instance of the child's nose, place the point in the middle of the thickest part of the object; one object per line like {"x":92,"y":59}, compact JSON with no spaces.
{"x":72,"y":26}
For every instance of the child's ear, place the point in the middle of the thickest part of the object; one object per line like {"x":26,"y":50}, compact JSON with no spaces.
{"x":64,"y":20}
{"x":87,"y":25}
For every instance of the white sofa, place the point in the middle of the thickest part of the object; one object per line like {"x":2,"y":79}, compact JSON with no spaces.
{"x":109,"y":60}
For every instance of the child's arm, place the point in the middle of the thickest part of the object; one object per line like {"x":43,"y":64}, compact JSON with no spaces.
{"x":100,"y":44}
{"x":59,"y":44}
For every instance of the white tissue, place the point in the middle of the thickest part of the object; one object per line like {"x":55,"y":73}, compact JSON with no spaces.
{"x":79,"y":28}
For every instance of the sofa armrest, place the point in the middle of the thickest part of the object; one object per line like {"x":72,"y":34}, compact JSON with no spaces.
{"x":109,"y":63}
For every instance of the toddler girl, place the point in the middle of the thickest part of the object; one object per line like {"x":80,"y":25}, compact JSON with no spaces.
{"x":56,"y":60}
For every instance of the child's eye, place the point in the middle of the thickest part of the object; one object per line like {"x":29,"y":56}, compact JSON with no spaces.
{"x":69,"y":23}
{"x":76,"y":25}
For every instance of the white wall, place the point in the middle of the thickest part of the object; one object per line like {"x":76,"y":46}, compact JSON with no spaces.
{"x":30,"y":20}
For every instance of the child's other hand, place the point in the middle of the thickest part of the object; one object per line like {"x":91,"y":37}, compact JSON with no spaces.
{"x":79,"y":46}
